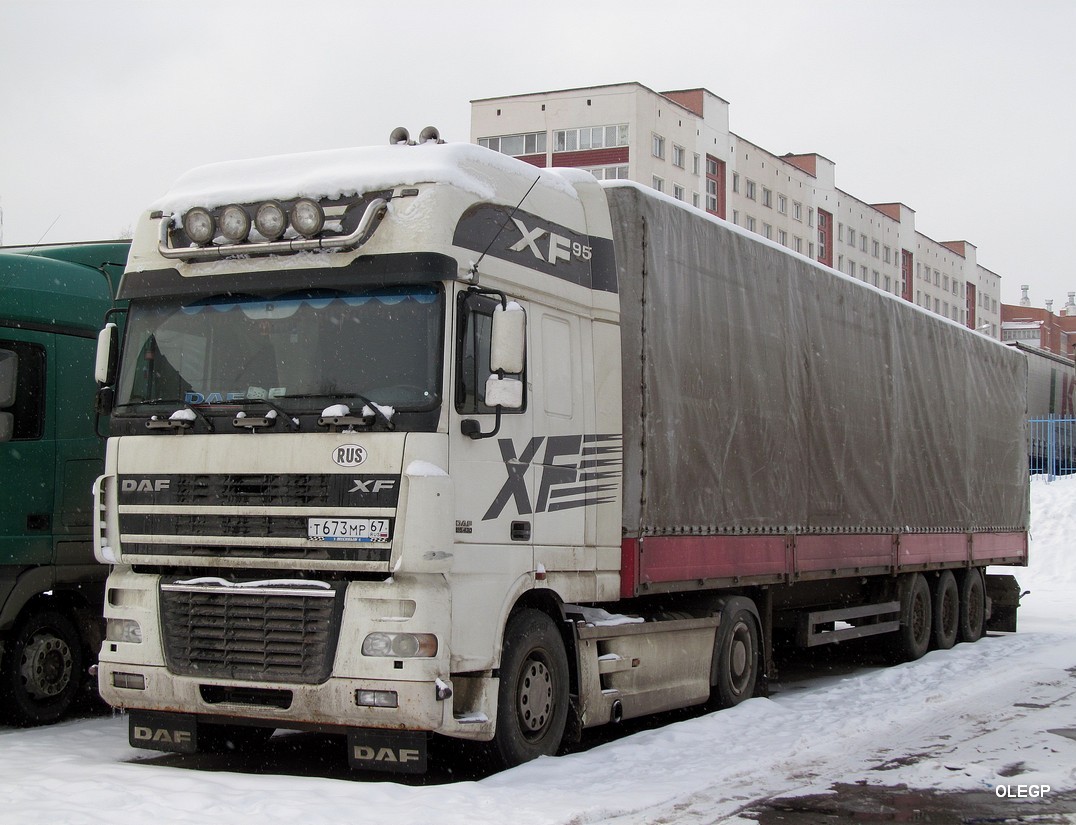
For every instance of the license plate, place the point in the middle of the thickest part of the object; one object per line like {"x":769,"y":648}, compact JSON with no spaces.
{"x":348,"y":529}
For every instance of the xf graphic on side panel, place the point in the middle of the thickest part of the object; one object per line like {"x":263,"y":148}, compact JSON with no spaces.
{"x":575,"y":472}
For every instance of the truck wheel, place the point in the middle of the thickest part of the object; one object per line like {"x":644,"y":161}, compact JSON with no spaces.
{"x":915,"y":617}
{"x":532,"y":700}
{"x":41,"y":669}
{"x":946,"y":611}
{"x":736,"y":649}
{"x":972,"y":606}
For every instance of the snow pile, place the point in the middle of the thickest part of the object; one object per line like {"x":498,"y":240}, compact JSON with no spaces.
{"x":1052,"y":556}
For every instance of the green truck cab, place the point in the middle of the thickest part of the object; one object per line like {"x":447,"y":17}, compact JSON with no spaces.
{"x":52,"y":303}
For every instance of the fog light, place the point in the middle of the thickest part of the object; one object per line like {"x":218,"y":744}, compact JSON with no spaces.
{"x":130,"y":681}
{"x":271,"y":220}
{"x":400,"y":645}
{"x":199,"y":225}
{"x":376,"y":699}
{"x":307,"y":217}
{"x":234,"y":223}
{"x":123,"y":630}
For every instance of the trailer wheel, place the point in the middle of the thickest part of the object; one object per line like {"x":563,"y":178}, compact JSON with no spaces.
{"x":915,"y":617}
{"x":946,"y":611}
{"x":736,"y":654}
{"x":41,"y":670}
{"x":532,"y":700}
{"x":972,"y":606}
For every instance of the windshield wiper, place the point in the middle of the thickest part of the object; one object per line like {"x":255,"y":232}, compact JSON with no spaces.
{"x":291,"y":421}
{"x":339,"y":414}
{"x":176,"y":421}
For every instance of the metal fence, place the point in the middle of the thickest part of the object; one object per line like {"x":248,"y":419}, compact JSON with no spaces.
{"x":1052,"y":446}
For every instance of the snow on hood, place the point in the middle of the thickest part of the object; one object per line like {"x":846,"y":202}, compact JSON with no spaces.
{"x":344,"y":172}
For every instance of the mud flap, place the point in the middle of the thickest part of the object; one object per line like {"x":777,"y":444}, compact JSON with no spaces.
{"x":1003,"y":598}
{"x":173,"y":732}
{"x":398,"y":751}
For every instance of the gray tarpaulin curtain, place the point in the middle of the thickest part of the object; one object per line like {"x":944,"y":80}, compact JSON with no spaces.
{"x":766,"y":394}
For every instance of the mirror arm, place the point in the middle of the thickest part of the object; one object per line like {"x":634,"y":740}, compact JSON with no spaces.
{"x":473,"y":430}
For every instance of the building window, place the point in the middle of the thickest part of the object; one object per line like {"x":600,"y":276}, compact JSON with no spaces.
{"x":679,"y":156}
{"x":851,"y":237}
{"x":678,"y":192}
{"x":874,"y":248}
{"x":862,"y":243}
{"x":695,"y":199}
{"x":529,"y":143}
{"x":736,"y":216}
{"x":840,"y":232}
{"x":767,"y":198}
{"x":782,"y":204}
{"x":658,"y":183}
{"x":735,"y":181}
{"x":782,"y":237}
{"x":696,"y":160}
{"x":749,"y":189}
{"x":799,"y":245}
{"x":590,"y":137}
{"x":750,"y":223}
{"x":886,"y":256}
{"x":657,"y":146}
{"x":619,"y":172}
{"x":767,"y":231}
{"x":797,"y":211}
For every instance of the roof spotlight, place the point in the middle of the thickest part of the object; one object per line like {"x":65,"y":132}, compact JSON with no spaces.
{"x":234,"y":223}
{"x":271,"y":220}
{"x":307,"y":217}
{"x":199,"y":226}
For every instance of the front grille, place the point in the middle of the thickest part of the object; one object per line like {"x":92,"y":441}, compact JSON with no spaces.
{"x":319,"y":551}
{"x":257,"y":634}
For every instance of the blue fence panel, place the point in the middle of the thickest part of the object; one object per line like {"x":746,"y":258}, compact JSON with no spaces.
{"x":1052,"y":446}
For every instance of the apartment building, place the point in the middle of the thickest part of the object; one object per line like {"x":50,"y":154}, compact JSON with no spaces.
{"x":1041,"y":327}
{"x":679,"y":143}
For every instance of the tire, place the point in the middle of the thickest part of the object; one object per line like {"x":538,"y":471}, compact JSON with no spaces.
{"x":735,"y":670}
{"x":42,"y":669}
{"x":532,"y":699}
{"x":915,"y":618}
{"x":946,"y":618}
{"x":972,"y":606}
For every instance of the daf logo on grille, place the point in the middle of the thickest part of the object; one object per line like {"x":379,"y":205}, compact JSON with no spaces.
{"x":349,"y":455}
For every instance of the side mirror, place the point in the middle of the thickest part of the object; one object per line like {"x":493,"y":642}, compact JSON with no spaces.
{"x":509,"y":340}
{"x":104,"y":369}
{"x":504,"y":392}
{"x":9,"y":372}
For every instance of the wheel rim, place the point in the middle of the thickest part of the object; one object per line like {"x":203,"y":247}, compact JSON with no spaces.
{"x":740,"y":657}
{"x":47,"y":665}
{"x":535,"y":697}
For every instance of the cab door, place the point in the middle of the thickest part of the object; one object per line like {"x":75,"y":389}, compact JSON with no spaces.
{"x":27,"y":459}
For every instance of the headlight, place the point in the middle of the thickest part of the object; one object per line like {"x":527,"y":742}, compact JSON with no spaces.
{"x":271,"y":220}
{"x":123,"y":630}
{"x":400,"y":645}
{"x":234,"y":223}
{"x":307,"y":217}
{"x":199,"y":225}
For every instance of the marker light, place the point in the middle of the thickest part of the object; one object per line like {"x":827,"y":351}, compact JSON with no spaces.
{"x":307,"y":217}
{"x":199,"y":226}
{"x":271,"y":220}
{"x":234,"y":223}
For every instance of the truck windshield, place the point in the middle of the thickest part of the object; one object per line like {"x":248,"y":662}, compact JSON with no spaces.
{"x":303,"y":350}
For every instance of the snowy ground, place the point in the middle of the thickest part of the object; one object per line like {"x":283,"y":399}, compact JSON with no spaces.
{"x":1001,"y":712}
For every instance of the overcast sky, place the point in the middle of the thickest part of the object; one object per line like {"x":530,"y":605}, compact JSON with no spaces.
{"x":961,"y":109}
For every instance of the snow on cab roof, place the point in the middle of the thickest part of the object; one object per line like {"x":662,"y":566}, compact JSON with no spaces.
{"x":342,"y":172}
